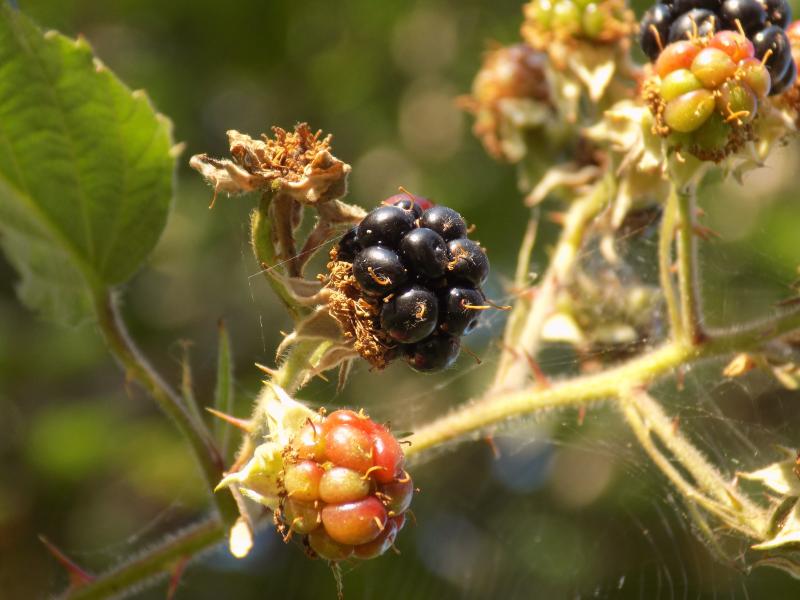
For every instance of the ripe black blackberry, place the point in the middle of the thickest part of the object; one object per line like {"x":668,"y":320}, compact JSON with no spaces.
{"x":762,"y":21}
{"x":407,"y":282}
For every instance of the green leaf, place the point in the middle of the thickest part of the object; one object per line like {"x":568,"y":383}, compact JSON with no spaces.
{"x":86,"y":170}
{"x":223,"y":393}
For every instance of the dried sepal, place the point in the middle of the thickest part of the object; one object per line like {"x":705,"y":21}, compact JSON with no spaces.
{"x":259,"y":478}
{"x":297,"y":163}
{"x":788,"y":534}
{"x":357,"y":315}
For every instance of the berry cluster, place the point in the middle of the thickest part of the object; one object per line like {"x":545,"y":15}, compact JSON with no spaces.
{"x":592,"y":20}
{"x":761,"y":21}
{"x":418,"y":280}
{"x":345,"y":487}
{"x":707,"y":91}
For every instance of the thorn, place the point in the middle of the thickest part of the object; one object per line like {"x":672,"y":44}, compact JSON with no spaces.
{"x":78,"y":577}
{"x":242,"y":424}
{"x":559,"y":218}
{"x":676,"y":421}
{"x":271,"y":372}
{"x":472,"y":354}
{"x":489,"y":439}
{"x":705,"y":233}
{"x":538,"y":375}
{"x":581,"y":415}
{"x":175,"y":578}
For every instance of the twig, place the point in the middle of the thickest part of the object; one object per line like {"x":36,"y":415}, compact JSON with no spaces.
{"x":666,"y":237}
{"x":514,"y":369}
{"x":689,"y":284}
{"x":140,"y":370}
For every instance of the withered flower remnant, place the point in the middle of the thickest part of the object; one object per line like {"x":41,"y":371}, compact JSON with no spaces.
{"x":298,"y":163}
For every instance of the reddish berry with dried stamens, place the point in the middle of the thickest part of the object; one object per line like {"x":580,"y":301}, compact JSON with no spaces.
{"x":302,"y":479}
{"x":350,"y":499}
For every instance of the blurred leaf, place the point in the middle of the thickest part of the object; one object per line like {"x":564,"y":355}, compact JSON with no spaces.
{"x":85,"y":170}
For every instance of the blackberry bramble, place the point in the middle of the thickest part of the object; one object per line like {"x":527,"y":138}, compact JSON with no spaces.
{"x":406,"y":281}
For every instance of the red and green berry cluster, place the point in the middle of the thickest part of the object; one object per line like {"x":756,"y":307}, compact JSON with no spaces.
{"x":345,"y":487}
{"x":592,"y":20}
{"x":413,"y":262}
{"x":708,"y":88}
{"x":762,"y":22}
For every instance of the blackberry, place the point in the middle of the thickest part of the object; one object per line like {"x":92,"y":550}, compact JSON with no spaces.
{"x":407,"y":282}
{"x":410,"y":315}
{"x":762,"y":21}
{"x":385,"y":225}
{"x":349,"y":498}
{"x":379,"y":271}
{"x":654,"y":29}
{"x":444,"y":221}
{"x":434,"y":353}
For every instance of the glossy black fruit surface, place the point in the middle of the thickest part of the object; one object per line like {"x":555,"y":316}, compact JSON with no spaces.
{"x":468,"y":261}
{"x":379,"y":270}
{"x":348,"y":246}
{"x":749,"y":13}
{"x":462,"y":307}
{"x":385,"y":225}
{"x":425,"y":252}
{"x":411,"y":314}
{"x":434,"y":353}
{"x":778,"y":12}
{"x":773,"y":39}
{"x":444,"y":221}
{"x":654,"y":29}
{"x":697,"y":21}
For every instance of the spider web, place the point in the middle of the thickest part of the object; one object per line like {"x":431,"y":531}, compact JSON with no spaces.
{"x":566,"y":504}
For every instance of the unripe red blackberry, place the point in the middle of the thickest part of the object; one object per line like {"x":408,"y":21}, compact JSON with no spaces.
{"x":706,"y":93}
{"x":407,"y":282}
{"x":761,"y":21}
{"x":350,"y":499}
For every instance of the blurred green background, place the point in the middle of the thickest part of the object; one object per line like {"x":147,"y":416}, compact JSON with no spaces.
{"x":569,"y":510}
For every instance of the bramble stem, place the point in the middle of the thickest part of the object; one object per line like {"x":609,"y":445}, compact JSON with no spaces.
{"x":647,"y":418}
{"x":155,"y":562}
{"x":261,"y":237}
{"x":665,"y":239}
{"x":139,"y":369}
{"x":514,"y":368}
{"x":496,"y":407}
{"x":689,"y":284}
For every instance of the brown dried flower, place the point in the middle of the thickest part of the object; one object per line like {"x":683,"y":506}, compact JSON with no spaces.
{"x":297,"y":163}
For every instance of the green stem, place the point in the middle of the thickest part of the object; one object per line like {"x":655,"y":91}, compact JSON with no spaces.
{"x":689,"y":284}
{"x":711,"y":490}
{"x":469,"y":420}
{"x":159,"y":560}
{"x":496,"y":407}
{"x":514,"y":368}
{"x":666,"y":237}
{"x":261,"y":236}
{"x":139,"y":369}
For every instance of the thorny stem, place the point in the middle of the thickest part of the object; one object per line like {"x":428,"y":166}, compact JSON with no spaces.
{"x":514,"y":368}
{"x":496,"y":407}
{"x":666,"y":237}
{"x":710,"y":490}
{"x":468,"y":420}
{"x":689,"y":284}
{"x":155,"y":562}
{"x":138,"y":369}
